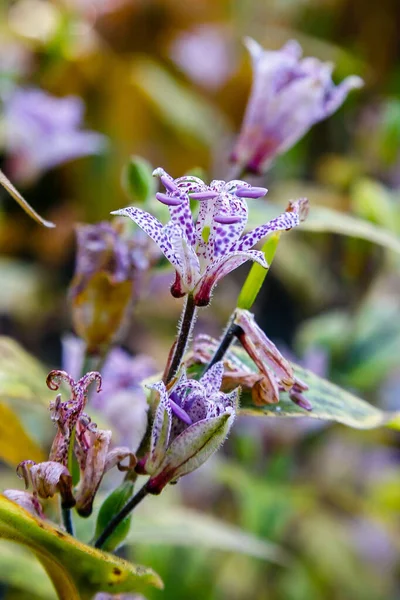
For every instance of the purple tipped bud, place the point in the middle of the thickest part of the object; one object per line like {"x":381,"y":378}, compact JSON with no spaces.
{"x":227,"y":219}
{"x":253,"y":192}
{"x":168,"y":183}
{"x":168,"y":200}
{"x":209,"y":195}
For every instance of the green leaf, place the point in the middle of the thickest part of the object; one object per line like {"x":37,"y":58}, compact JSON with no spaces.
{"x":76,"y":570}
{"x":22,"y":202}
{"x":330,"y":402}
{"x":137,"y":179}
{"x":327,"y":220}
{"x":110,"y":507}
{"x":257,"y":275}
{"x":22,"y":571}
{"x":158,"y":523}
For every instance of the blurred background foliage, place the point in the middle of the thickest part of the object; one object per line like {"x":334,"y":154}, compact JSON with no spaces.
{"x":169,"y":81}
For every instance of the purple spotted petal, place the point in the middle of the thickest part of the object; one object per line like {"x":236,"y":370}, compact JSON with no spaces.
{"x":283,"y":222}
{"x":212,"y":380}
{"x":154,"y":230}
{"x":160,"y":433}
{"x":219,"y":269}
{"x":184,"y":256}
{"x":223,"y":237}
{"x":197,"y":406}
{"x":181,"y":215}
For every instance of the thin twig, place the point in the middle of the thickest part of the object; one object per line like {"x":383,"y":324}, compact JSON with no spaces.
{"x":231,"y":332}
{"x":67,"y":520}
{"x":119,"y":517}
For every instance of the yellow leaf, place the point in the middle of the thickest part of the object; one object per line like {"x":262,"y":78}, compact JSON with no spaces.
{"x":77,"y":571}
{"x":15,"y":444}
{"x":22,"y":377}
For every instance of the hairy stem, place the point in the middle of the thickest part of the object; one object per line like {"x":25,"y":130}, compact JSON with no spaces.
{"x":185,"y":331}
{"x":119,"y":517}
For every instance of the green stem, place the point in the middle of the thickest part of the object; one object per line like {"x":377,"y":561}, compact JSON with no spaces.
{"x":185,"y":330}
{"x":67,"y":520}
{"x":119,"y":517}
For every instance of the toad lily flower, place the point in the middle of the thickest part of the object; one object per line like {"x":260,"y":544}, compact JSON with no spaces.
{"x":42,"y":131}
{"x":204,"y":250}
{"x":289,"y":96}
{"x":192,"y":420}
{"x":90,"y":445}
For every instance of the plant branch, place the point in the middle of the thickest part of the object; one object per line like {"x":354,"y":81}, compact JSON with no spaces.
{"x":185,"y":331}
{"x":67,"y":520}
{"x":119,"y":517}
{"x":231,"y":332}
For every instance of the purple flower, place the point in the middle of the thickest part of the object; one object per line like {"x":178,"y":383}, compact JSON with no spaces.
{"x":289,"y":95}
{"x":42,"y":131}
{"x":192,"y":420}
{"x":204,"y":250}
{"x":108,"y":276}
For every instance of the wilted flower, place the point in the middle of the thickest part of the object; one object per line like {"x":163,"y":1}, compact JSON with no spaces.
{"x":192,"y":420}
{"x":289,"y":95}
{"x":42,"y":131}
{"x":106,"y":281}
{"x":205,"y":250}
{"x":90,"y":445}
{"x":275,"y":374}
{"x":27,"y":500}
{"x":122,"y":400}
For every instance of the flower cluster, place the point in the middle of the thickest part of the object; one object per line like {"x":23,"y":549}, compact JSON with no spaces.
{"x":191,"y":421}
{"x":289,"y":96}
{"x":75,"y":433}
{"x":205,"y":249}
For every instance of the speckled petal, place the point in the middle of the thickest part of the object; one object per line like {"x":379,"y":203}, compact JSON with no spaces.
{"x":218,"y":269}
{"x":212,"y":379}
{"x":223,"y":237}
{"x":153,"y":228}
{"x":287,"y":220}
{"x":161,"y":429}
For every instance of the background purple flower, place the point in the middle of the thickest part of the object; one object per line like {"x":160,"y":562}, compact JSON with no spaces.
{"x":289,"y":95}
{"x":42,"y":131}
